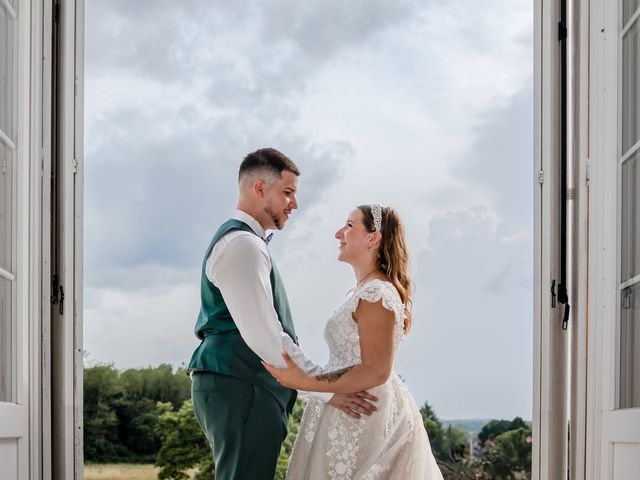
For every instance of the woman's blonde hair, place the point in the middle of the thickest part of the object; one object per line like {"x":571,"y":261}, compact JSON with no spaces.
{"x":393,"y":254}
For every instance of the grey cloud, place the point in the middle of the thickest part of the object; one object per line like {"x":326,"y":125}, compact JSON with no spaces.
{"x":501,"y":160}
{"x":464,"y":336}
{"x":320,"y":28}
{"x":474,"y":281}
{"x":516,"y":273}
{"x":281,"y":42}
{"x":175,"y":182}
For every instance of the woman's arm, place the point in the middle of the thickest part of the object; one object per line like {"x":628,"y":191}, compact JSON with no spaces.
{"x":376,"y":328}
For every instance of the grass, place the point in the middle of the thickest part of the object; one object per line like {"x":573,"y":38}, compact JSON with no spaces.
{"x":120,"y":471}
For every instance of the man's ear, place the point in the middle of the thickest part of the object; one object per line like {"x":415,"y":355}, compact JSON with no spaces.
{"x":259,"y":188}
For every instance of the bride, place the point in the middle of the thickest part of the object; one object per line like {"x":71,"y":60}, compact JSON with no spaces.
{"x":362,"y":335}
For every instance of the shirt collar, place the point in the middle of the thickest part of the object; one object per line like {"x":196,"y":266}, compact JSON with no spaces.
{"x":249,"y":220}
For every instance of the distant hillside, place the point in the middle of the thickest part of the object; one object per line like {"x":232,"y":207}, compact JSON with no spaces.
{"x":470,"y":425}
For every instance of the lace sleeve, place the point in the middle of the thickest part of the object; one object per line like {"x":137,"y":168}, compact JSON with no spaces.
{"x":377,"y":290}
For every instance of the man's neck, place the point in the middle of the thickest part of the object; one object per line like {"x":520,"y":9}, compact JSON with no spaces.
{"x":256,"y":223}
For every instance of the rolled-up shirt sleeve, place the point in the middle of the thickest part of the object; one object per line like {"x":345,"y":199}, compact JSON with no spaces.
{"x":242,"y":274}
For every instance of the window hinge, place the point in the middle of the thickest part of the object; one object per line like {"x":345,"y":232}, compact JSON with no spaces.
{"x":540,"y":177}
{"x":4,"y":165}
{"x":587,"y":172}
{"x":75,"y":165}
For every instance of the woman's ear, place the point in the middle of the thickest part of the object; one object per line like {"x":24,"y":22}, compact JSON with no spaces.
{"x":376,"y":238}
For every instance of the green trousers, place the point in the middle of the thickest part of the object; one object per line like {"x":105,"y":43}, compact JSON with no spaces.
{"x":244,"y":424}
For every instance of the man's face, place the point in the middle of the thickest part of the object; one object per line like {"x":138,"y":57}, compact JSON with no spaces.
{"x":280,"y":199}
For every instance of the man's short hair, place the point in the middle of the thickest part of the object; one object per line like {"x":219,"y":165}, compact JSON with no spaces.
{"x":268,"y":160}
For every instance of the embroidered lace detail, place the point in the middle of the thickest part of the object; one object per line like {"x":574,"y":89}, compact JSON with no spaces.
{"x":341,"y":332}
{"x":373,"y":472}
{"x":311,"y":415}
{"x":393,"y":412}
{"x":344,"y":438}
{"x":391,"y":443}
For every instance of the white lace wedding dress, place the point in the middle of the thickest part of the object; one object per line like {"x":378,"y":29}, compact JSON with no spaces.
{"x":391,"y":443}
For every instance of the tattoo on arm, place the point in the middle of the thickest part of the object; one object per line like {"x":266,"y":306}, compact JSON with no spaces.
{"x":332,"y":376}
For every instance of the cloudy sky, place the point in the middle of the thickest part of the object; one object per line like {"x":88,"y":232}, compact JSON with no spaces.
{"x":425,"y":106}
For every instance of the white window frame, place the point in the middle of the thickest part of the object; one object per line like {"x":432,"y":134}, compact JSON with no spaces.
{"x":621,"y":159}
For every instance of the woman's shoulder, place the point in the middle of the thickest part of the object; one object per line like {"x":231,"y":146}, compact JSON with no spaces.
{"x":378,"y":289}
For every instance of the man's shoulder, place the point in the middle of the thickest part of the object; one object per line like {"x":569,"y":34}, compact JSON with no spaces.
{"x":239,"y":243}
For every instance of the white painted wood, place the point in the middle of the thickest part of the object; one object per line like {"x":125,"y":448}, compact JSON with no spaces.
{"x":549,"y":460}
{"x":633,"y":149}
{"x":7,"y":6}
{"x":631,"y":21}
{"x":615,"y":433}
{"x":7,"y":141}
{"x":66,"y":332}
{"x":14,"y":417}
{"x":626,"y":461}
{"x":39,"y":234}
{"x":597,"y":31}
{"x":9,"y":457}
{"x":7,"y":275}
{"x":29,"y":428}
{"x":35,"y":244}
{"x":45,"y":261}
{"x":629,"y":283}
{"x":78,"y":212}
{"x":537,"y":256}
{"x":580,"y":328}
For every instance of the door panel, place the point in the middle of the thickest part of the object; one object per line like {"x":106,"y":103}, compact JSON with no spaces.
{"x":626,"y":461}
{"x":619,"y":286}
{"x":9,"y":457}
{"x":14,"y":240}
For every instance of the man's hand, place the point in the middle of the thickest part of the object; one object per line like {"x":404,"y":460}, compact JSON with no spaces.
{"x":354,"y":404}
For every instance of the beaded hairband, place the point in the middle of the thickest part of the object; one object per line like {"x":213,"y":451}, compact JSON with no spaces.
{"x":376,"y":212}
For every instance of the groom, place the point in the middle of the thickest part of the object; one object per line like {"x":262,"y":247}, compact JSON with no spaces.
{"x":245,"y":317}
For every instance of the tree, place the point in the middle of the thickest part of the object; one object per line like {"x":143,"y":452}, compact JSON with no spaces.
{"x":510,"y":455}
{"x":497,"y":427}
{"x":431,"y":422}
{"x":184,"y":446}
{"x":450,"y":444}
{"x":120,"y":410}
{"x":102,"y":391}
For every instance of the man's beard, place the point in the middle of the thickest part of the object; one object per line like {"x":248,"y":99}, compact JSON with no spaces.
{"x":275,"y":218}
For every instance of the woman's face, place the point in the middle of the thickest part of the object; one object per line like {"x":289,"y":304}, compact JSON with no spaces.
{"x":354,"y":238}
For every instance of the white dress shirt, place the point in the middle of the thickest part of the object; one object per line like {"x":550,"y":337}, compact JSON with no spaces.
{"x":239,"y":265}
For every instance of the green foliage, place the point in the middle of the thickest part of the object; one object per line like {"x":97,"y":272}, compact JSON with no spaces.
{"x":120,"y":412}
{"x":184,"y":447}
{"x":287,"y":446}
{"x":102,"y":390}
{"x":497,"y":427}
{"x":447,"y":444}
{"x":511,"y":454}
{"x":142,"y":415}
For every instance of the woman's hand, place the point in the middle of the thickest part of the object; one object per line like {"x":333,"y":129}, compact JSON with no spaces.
{"x":354,"y":404}
{"x":291,"y":377}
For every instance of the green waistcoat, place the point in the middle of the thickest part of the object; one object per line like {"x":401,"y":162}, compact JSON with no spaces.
{"x":222,"y":349}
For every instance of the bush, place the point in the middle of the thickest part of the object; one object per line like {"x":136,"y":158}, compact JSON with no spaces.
{"x":510,"y":455}
{"x":184,"y":446}
{"x":120,"y":414}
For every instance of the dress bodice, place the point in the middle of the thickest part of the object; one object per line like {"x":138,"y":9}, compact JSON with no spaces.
{"x":341,"y":331}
